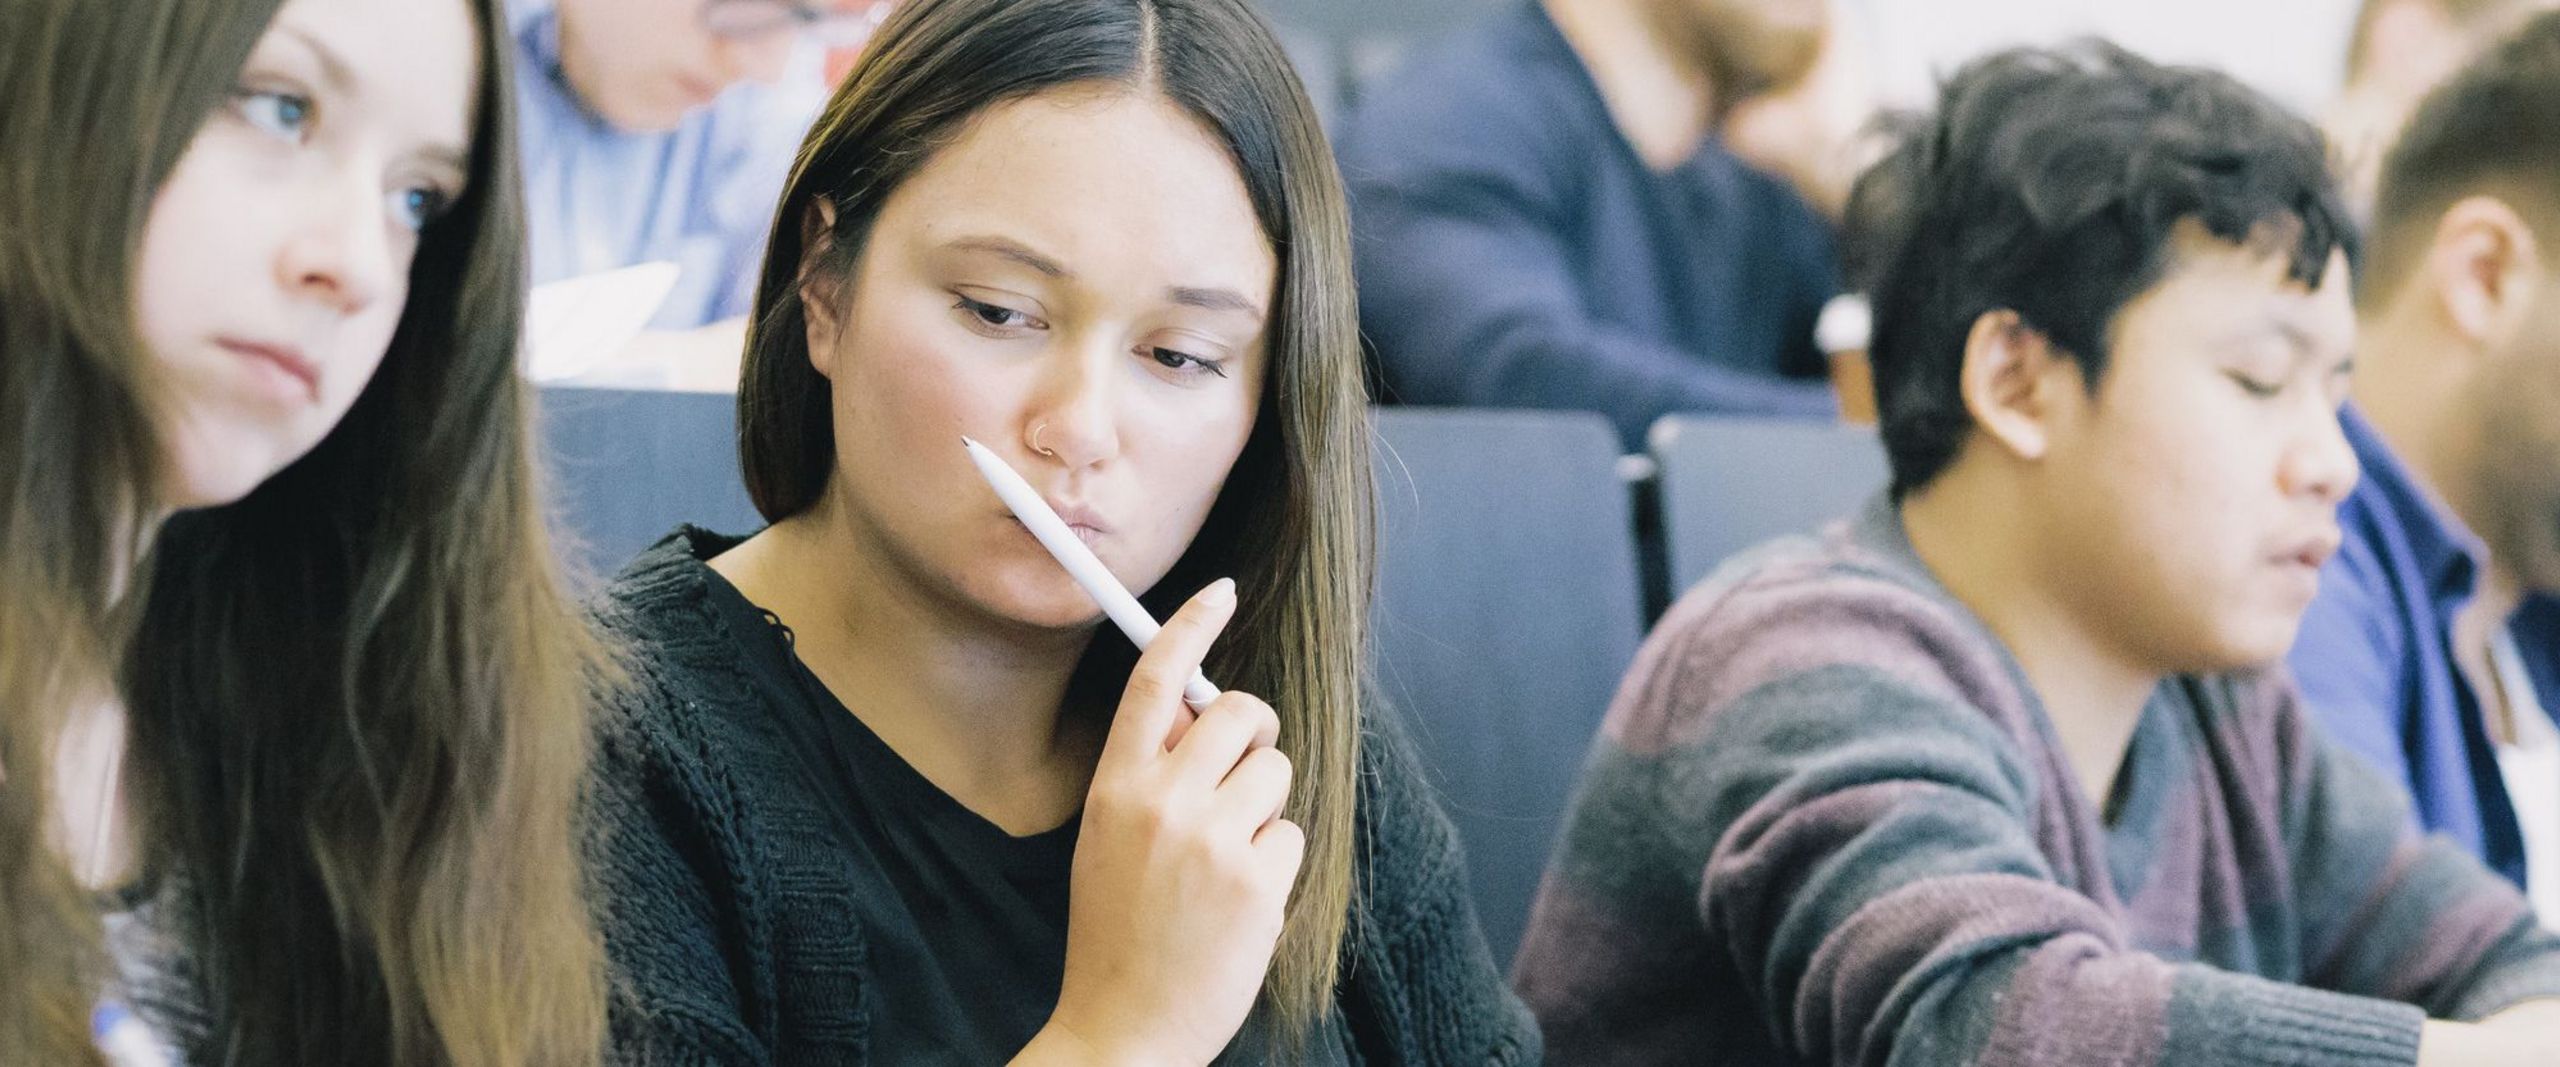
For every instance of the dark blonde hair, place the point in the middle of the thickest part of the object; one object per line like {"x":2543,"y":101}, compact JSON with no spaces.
{"x":1292,"y":524}
{"x":356,"y":697}
{"x":104,"y":99}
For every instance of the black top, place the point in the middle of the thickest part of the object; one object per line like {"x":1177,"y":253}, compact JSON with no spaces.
{"x":972,"y":918}
{"x":1515,"y":251}
{"x":779,"y":887}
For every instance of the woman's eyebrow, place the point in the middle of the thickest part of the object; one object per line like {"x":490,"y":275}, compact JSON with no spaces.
{"x":1206,"y":298}
{"x":338,"y":77}
{"x":1015,"y":251}
{"x":1213,"y":299}
{"x":333,"y":70}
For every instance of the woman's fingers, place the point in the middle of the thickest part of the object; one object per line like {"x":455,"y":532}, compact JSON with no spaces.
{"x":1152,"y":703}
{"x":1256,"y":792}
{"x":1232,"y":725}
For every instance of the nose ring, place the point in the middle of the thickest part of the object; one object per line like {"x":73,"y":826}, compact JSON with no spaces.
{"x":1035,"y":440}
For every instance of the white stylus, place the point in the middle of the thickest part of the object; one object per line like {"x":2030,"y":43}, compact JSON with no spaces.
{"x":1071,"y":553}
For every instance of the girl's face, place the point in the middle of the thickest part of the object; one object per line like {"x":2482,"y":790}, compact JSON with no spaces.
{"x":275,"y":262}
{"x":1079,"y":281}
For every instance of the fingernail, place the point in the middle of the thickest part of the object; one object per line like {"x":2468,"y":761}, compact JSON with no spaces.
{"x":1220,"y":593}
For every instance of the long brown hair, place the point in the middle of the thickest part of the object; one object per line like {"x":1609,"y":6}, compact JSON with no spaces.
{"x":1293,"y":522}
{"x":104,"y":99}
{"x":356,"y":697}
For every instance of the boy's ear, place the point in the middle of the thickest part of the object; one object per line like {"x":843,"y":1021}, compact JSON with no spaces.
{"x":2010,"y":373}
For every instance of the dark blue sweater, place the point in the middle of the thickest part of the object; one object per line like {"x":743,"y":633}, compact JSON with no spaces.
{"x":1513,"y":250}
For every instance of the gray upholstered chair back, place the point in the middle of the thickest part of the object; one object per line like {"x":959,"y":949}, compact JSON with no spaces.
{"x":1507,"y":610}
{"x":1341,"y":46}
{"x":627,"y":466}
{"x":1730,"y":483}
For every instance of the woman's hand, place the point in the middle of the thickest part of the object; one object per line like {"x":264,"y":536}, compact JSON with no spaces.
{"x":1182,"y":869}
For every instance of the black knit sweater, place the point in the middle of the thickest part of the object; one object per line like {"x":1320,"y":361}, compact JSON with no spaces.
{"x":724,"y":895}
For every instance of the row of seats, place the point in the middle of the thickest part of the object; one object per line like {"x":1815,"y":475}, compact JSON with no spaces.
{"x":1510,"y":595}
{"x":1341,"y":46}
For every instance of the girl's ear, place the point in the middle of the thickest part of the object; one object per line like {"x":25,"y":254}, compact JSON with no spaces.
{"x":821,"y":287}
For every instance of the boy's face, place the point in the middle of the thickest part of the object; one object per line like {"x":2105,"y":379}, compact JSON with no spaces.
{"x":644,"y":65}
{"x":2189,"y":503}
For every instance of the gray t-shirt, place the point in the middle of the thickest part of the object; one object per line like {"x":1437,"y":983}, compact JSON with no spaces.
{"x":153,"y":1010}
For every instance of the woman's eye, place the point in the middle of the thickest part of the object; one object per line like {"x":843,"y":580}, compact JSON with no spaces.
{"x":284,"y":115}
{"x":995,"y":315}
{"x":1172,"y":359}
{"x":418,"y":205}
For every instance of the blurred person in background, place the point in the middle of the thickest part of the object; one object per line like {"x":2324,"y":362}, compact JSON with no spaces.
{"x":2409,"y":656}
{"x":2397,"y":51}
{"x":662,"y":130}
{"x":1546,"y":215}
{"x":1818,"y":131}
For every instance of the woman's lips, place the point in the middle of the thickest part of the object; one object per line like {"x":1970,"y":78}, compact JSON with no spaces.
{"x":1079,"y":515}
{"x":285,"y":358}
{"x":1086,"y":533}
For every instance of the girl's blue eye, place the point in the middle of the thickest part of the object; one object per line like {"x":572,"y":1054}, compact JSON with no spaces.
{"x":417,"y":206}
{"x":282,"y":114}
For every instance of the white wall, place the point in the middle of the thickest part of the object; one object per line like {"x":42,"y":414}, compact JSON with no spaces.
{"x":2290,"y":49}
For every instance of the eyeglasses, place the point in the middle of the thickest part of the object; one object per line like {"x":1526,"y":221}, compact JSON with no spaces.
{"x":830,"y":25}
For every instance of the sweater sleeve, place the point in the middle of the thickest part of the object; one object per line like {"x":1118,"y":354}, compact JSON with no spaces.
{"x":678,"y":931}
{"x":1471,"y":299}
{"x":1878,"y":885}
{"x":2388,"y":912}
{"x":1422,"y":988}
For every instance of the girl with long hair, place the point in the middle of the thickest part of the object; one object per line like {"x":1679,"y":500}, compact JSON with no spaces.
{"x":290,"y":694}
{"x":883,"y":790}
